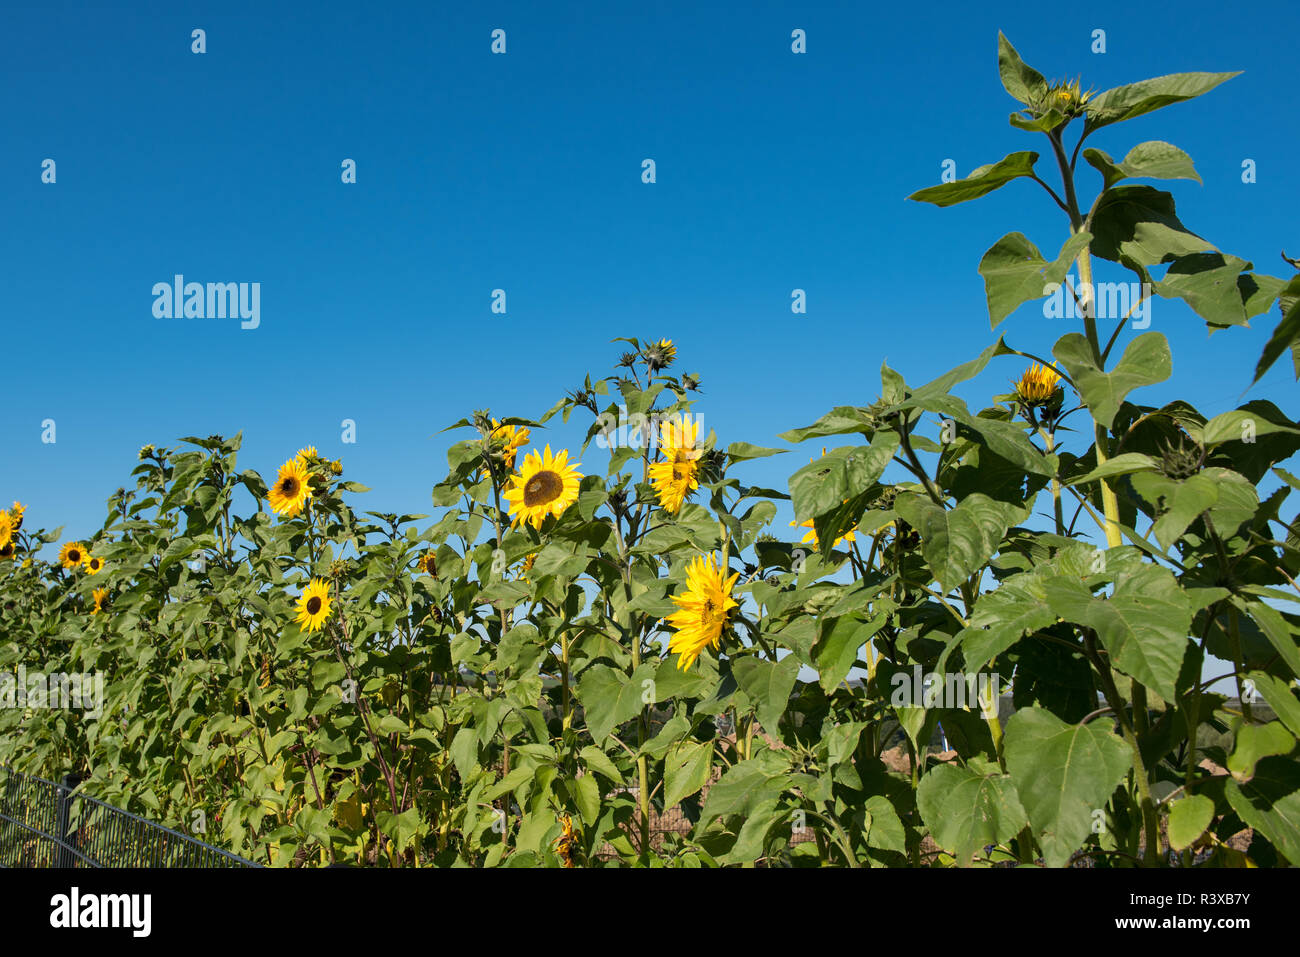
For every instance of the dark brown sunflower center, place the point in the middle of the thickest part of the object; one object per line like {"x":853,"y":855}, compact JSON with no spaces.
{"x":74,"y":556}
{"x":543,"y":488}
{"x":289,"y":486}
{"x":313,"y":605}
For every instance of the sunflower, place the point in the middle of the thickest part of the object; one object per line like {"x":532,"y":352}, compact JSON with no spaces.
{"x":428,"y":564}
{"x":314,"y":605}
{"x":512,"y":438}
{"x":72,"y":555}
{"x":702,"y":611}
{"x":16,"y":515}
{"x":1039,"y":385}
{"x":93,"y":564}
{"x":567,"y":843}
{"x":659,"y":354}
{"x":99,"y":595}
{"x":6,"y":551}
{"x":305,"y":456}
{"x":677,"y":475}
{"x":545,"y":485}
{"x":291,"y":491}
{"x":529,"y":561}
{"x":674,"y":481}
{"x":6,"y":528}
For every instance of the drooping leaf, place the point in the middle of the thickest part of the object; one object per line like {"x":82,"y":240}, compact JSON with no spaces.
{"x":1139,"y":224}
{"x":686,"y":770}
{"x":1015,"y":272}
{"x":1063,"y":773}
{"x":1153,"y":159}
{"x":968,"y":808}
{"x":1146,"y":361}
{"x":1188,"y":819}
{"x":957,"y":541}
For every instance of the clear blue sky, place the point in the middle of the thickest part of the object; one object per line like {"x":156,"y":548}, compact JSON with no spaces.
{"x":522,"y":172}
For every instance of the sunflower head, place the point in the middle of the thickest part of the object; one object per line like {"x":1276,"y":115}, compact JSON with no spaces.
{"x":674,"y":481}
{"x":659,"y":355}
{"x":6,"y":528}
{"x":428,"y":564}
{"x":291,"y":491}
{"x":99,"y":595}
{"x":16,"y":515}
{"x":1066,"y":97}
{"x":702,"y":609}
{"x":505,"y":441}
{"x":313,"y":605}
{"x":529,"y":561}
{"x":71,"y":555}
{"x":545,"y":485}
{"x":566,"y":845}
{"x":1181,"y":461}
{"x":1039,"y":386}
{"x":146,"y":452}
{"x":6,"y":551}
{"x":308,"y":455}
{"x":93,"y":564}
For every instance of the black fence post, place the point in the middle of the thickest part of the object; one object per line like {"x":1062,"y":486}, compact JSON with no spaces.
{"x":67,"y":838}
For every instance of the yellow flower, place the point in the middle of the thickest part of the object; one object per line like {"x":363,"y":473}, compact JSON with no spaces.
{"x":674,"y":481}
{"x":509,"y":439}
{"x":6,"y":528}
{"x":314,"y":605}
{"x":72,"y":555}
{"x":290,"y":492}
{"x":16,"y":515}
{"x":306,"y":455}
{"x":529,"y":561}
{"x":99,"y":595}
{"x":567,"y":843}
{"x":428,"y":564}
{"x":545,"y":485}
{"x":1038,"y":385}
{"x":702,"y":610}
{"x":93,"y":564}
{"x":678,"y":474}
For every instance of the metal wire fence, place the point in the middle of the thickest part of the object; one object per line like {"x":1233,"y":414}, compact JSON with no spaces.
{"x":44,"y":824}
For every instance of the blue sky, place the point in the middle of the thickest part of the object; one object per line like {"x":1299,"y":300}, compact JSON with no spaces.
{"x":521,"y":171}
